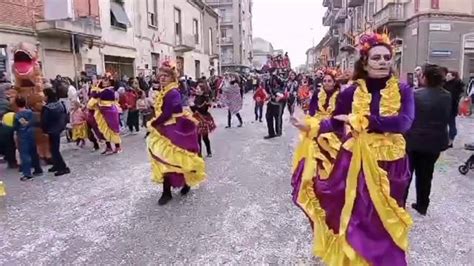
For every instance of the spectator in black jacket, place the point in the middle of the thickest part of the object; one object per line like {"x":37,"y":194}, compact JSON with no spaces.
{"x":53,"y":122}
{"x":275,"y":90}
{"x":428,"y":136}
{"x":455,"y":86}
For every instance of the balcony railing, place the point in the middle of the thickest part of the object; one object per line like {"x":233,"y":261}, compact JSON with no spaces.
{"x":328,"y":18}
{"x":341,"y":16}
{"x":392,"y":14}
{"x":355,"y":3}
{"x":226,"y":40}
{"x":84,"y":26}
{"x":185,"y":44}
{"x":219,"y":2}
{"x":336,"y":4}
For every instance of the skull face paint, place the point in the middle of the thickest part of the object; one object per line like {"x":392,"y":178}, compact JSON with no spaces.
{"x":379,"y":62}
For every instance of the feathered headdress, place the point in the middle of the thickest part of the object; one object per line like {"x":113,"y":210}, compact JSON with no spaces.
{"x":368,"y":41}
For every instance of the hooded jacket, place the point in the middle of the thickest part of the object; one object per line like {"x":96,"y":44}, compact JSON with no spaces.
{"x":53,"y":118}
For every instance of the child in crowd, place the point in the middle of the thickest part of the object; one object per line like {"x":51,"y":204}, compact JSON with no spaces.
{"x":304,"y":95}
{"x":79,"y":124}
{"x":259,"y":97}
{"x":144,"y":108}
{"x":24,"y":126}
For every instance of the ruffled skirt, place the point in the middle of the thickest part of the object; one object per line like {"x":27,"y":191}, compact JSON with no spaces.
{"x":174,"y":151}
{"x":108,"y":124}
{"x":205,"y":123}
{"x":79,"y":131}
{"x":357,"y":218}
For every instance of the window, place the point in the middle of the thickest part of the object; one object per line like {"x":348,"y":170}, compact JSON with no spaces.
{"x":211,"y":41}
{"x":118,"y":15}
{"x":196,"y":31}
{"x":371,"y":11}
{"x":177,"y":26}
{"x":151,"y":7}
{"x":155,"y":62}
{"x":3,"y":58}
{"x":197,"y":68}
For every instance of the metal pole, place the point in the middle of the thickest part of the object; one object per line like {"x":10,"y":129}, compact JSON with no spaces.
{"x":219,"y":37}
{"x":75,"y":60}
{"x":73,"y":42}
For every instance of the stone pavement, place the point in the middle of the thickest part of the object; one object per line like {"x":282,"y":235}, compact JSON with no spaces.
{"x":106,"y":211}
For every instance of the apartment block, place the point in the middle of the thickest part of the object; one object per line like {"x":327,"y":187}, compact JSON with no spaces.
{"x":124,"y":37}
{"x":235,"y":36}
{"x":435,"y":31}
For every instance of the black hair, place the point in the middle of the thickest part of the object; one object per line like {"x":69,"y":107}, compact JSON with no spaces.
{"x":433,"y":75}
{"x":51,"y":95}
{"x":359,"y":66}
{"x":20,"y":102}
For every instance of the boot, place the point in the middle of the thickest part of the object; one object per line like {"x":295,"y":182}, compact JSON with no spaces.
{"x":185,"y":190}
{"x":166,"y":196}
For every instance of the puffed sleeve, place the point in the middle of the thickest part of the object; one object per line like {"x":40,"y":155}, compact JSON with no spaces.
{"x":400,"y":123}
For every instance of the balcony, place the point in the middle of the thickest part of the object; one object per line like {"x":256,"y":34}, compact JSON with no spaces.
{"x":341,"y":16}
{"x":355,"y":3}
{"x":215,"y":3}
{"x":336,"y":4}
{"x":328,"y":18}
{"x":227,"y":41}
{"x":392,"y":15}
{"x":226,"y":21}
{"x":186,"y":43}
{"x":86,"y":26}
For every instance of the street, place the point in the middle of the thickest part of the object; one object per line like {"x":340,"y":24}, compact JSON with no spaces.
{"x":105,"y":212}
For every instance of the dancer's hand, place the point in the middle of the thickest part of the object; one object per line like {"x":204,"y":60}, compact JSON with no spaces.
{"x":299,"y":124}
{"x":342,"y":118}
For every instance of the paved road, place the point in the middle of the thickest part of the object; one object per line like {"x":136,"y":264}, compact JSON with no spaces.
{"x":106,"y":211}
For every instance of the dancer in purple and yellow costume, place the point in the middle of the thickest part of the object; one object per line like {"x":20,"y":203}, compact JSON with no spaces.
{"x":92,"y":107}
{"x":107,"y":116}
{"x":173,"y":140}
{"x":358,"y":212}
{"x":316,"y":156}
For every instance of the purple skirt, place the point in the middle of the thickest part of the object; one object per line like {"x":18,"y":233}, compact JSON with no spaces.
{"x":182,"y":134}
{"x":365,"y":232}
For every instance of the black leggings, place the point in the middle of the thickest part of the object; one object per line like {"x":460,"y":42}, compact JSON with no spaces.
{"x":207,"y":142}
{"x":109,"y":145}
{"x":133,"y":120}
{"x":229,"y":118}
{"x":422,"y":165}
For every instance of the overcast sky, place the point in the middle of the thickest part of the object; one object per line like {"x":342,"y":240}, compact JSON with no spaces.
{"x":290,"y":25}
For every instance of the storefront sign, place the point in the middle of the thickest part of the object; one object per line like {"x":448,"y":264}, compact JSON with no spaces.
{"x":441,"y":53}
{"x":440,"y":27}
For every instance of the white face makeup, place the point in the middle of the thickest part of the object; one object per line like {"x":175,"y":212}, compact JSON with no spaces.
{"x":379,"y":62}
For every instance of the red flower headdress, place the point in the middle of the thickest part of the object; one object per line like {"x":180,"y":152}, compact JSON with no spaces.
{"x":367,"y":41}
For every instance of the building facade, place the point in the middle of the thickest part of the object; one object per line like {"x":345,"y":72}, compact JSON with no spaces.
{"x":435,"y":31}
{"x":124,"y":37}
{"x":235,"y":36}
{"x":262,"y":49}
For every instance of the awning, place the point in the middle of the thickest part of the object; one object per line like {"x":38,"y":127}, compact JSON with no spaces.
{"x":119,"y":13}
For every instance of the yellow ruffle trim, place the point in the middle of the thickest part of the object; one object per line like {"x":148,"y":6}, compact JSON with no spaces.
{"x":181,"y":161}
{"x":108,"y":133}
{"x":333,"y":249}
{"x":330,"y":143}
{"x":3,"y":191}
{"x":79,"y":131}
